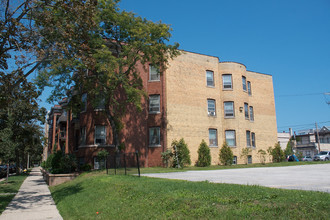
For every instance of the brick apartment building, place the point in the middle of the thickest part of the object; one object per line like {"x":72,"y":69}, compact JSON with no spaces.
{"x":196,"y":98}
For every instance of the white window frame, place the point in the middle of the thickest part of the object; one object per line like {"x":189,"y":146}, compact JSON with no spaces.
{"x":154,"y":74}
{"x":229,"y":113}
{"x":209,"y":73}
{"x":225,"y":84}
{"x":154,"y":104}
{"x":154,"y":137}
{"x":211,"y":110}
{"x":213,"y":142}
{"x":229,"y":139}
{"x":100,"y":136}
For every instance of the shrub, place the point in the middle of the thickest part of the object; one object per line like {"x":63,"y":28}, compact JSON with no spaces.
{"x":288,"y":150}
{"x":61,"y":163}
{"x":226,"y":155}
{"x":86,"y":167}
{"x":102,"y":156}
{"x":181,"y":154}
{"x":167,"y":157}
{"x":262,"y":156}
{"x":204,"y":155}
{"x":245,"y":153}
{"x":277,"y":153}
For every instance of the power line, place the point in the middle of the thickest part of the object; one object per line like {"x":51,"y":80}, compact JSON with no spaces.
{"x":302,"y":125}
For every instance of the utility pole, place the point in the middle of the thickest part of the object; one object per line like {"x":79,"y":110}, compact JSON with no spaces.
{"x":318,"y":138}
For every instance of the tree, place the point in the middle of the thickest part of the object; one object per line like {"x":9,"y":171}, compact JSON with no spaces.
{"x":204,"y":155}
{"x":226,"y":155}
{"x":288,"y":150}
{"x":269,"y":151}
{"x":262,"y":156}
{"x":98,"y":37}
{"x":181,"y":153}
{"x":277,"y":153}
{"x":245,"y":153}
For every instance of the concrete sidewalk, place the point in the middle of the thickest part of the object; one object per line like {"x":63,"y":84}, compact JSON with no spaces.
{"x":33,"y":200}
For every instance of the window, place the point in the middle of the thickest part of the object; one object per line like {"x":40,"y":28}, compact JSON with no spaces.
{"x":154,"y":136}
{"x":213,"y":138}
{"x":253,"y":139}
{"x":100,"y":104}
{"x":229,"y":109}
{"x":100,"y":135}
{"x":154,"y":74}
{"x":251,"y":113}
{"x":249,"y":88}
{"x":84,"y":102}
{"x":244,"y":83}
{"x":234,"y":160}
{"x":209,"y":78}
{"x":246,"y":110}
{"x":227,"y":81}
{"x":83,"y":136}
{"x":249,"y":159}
{"x":154,"y":103}
{"x":230,"y":138}
{"x":211,"y":107}
{"x":248,"y":138}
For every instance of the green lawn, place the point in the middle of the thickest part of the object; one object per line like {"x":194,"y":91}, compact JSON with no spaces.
{"x":8,"y":191}
{"x":96,"y":195}
{"x":215,"y":167}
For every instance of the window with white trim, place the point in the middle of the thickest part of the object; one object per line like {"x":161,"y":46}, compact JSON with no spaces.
{"x":227,"y":81}
{"x":209,"y":78}
{"x":230,"y":136}
{"x":154,"y":103}
{"x":229,"y":109}
{"x":100,"y":135}
{"x":154,"y":136}
{"x":154,"y":74}
{"x":213,"y":138}
{"x":211,"y":107}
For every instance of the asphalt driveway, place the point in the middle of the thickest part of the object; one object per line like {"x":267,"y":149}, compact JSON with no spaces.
{"x":306,"y":177}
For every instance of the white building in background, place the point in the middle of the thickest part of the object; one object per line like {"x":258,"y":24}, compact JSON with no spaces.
{"x":283,"y":138}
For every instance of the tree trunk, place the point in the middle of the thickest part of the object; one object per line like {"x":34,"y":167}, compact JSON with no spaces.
{"x":7,"y":172}
{"x":115,"y":139}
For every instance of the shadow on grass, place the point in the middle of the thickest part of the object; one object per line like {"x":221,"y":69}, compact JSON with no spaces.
{"x":67,"y":191}
{"x":4,"y":201}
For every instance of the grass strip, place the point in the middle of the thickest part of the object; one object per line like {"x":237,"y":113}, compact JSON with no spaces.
{"x":9,"y":190}
{"x":96,"y":195}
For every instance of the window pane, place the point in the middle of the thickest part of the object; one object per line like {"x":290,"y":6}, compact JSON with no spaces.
{"x":244,"y":83}
{"x":83,"y":136}
{"x":249,"y":88}
{"x":230,"y":138}
{"x":154,"y":136}
{"x":84,"y":102}
{"x":213,"y":137}
{"x":229,"y":109}
{"x":246,"y":110}
{"x":209,"y":78}
{"x":249,"y":159}
{"x":154,"y":73}
{"x":211,"y":107}
{"x":248,"y":138}
{"x":227,"y":82}
{"x":154,"y":103}
{"x":100,"y":134}
{"x":251,"y":114}
{"x":253,"y":138}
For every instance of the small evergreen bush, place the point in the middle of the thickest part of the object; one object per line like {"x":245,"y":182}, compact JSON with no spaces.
{"x":61,"y":163}
{"x":226,"y":155}
{"x":277,"y":153}
{"x":204,"y":155}
{"x":181,"y":153}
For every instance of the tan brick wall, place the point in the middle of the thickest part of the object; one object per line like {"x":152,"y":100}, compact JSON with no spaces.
{"x":187,"y":95}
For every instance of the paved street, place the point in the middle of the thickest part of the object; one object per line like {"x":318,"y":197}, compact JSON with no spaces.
{"x":33,"y":201}
{"x":307,"y":177}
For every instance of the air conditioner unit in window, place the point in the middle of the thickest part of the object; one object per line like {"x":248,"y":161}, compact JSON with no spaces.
{"x":211,"y":113}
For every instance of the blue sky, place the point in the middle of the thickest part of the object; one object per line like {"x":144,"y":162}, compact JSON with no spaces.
{"x":289,"y":39}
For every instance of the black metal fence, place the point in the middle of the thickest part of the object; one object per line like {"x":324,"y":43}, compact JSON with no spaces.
{"x":123,"y":164}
